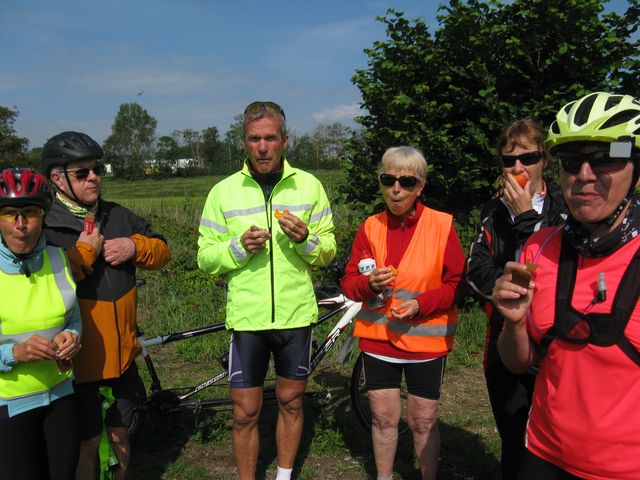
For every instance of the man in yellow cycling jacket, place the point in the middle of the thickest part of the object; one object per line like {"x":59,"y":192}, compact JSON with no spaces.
{"x":264,"y":228}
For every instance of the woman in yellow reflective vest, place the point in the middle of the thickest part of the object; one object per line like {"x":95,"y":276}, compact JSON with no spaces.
{"x":39,"y":334}
{"x":406,"y":265}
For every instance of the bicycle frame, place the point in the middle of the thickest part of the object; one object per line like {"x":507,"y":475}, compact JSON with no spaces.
{"x":340,"y":304}
{"x":351,"y":308}
{"x":174,"y":337}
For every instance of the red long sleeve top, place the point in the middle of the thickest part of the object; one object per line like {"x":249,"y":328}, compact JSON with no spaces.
{"x":356,"y":286}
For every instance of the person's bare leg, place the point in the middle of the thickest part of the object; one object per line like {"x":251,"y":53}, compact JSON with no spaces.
{"x":247,"y":403}
{"x":290,"y":419}
{"x":422,"y":416}
{"x":120,"y":444}
{"x":88,"y":459}
{"x":385,"y":416}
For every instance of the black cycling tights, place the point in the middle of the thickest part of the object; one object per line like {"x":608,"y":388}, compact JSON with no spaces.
{"x":535,"y":468}
{"x":40,"y":444}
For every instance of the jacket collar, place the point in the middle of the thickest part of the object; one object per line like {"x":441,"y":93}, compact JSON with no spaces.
{"x":12,"y":264}
{"x":60,"y":216}
{"x":409,"y":222}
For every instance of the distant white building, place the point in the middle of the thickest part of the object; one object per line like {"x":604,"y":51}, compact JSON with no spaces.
{"x":151,"y":166}
{"x":182,"y":163}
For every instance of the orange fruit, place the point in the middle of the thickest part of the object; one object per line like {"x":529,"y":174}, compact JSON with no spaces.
{"x":521,"y":178}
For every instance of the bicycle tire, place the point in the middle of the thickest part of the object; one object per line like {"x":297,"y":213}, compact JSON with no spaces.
{"x":139,"y":413}
{"x":360,"y":399}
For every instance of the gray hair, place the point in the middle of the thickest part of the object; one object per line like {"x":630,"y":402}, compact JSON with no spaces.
{"x":264,"y":112}
{"x":405,"y":157}
{"x":59,"y":169}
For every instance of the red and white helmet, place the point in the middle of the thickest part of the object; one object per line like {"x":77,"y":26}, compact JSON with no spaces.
{"x":23,"y":186}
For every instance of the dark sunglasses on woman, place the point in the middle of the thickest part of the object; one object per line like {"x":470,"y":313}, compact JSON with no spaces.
{"x":406,"y":181}
{"x":527,"y":159}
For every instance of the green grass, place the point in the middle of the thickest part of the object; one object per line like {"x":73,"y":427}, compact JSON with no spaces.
{"x":180,"y":296}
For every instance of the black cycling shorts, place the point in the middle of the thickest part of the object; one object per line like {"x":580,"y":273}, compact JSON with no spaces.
{"x":533,"y":467}
{"x":250,"y":351}
{"x":126,"y":389}
{"x":424,"y":379}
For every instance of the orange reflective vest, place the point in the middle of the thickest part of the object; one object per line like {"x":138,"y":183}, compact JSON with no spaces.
{"x":420,"y":270}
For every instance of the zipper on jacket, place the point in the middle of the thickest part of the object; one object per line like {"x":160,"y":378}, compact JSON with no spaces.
{"x":271,"y":270}
{"x":115,"y":317}
{"x":269,"y":217}
{"x":273,"y":293}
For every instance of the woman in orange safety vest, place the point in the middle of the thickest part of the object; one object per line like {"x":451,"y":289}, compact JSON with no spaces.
{"x":406,"y":265}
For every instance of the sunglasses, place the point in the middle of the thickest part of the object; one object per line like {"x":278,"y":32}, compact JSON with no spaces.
{"x":600,"y":162}
{"x":31,"y":214}
{"x":405,"y":181}
{"x":528,"y":159}
{"x":261,"y":107}
{"x":83,"y":173}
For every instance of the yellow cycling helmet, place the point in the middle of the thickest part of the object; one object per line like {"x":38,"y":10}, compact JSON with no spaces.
{"x":597,"y":117}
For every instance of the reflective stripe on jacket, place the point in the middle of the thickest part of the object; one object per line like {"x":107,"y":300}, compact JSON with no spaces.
{"x":270,"y":289}
{"x":40,"y":304}
{"x":420,"y":270}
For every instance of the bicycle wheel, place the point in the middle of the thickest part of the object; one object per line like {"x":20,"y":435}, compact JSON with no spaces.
{"x":360,"y":399}
{"x":139,"y":413}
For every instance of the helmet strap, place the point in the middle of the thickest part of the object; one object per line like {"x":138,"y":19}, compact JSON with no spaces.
{"x":611,"y":219}
{"x":73,"y":197}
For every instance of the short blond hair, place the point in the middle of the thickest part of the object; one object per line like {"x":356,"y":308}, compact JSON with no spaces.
{"x":405,"y":157}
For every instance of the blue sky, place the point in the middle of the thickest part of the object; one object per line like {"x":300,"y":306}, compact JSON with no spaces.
{"x":69,"y":64}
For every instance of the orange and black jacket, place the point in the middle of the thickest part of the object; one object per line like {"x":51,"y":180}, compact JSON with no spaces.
{"x":107,"y":295}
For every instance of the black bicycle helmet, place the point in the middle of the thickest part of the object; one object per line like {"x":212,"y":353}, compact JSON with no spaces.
{"x":67,"y":147}
{"x":24,"y":187}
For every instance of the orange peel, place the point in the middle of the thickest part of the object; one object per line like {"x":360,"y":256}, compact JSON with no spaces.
{"x":279,"y":213}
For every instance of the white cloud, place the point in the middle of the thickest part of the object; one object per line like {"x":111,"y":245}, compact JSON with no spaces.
{"x":341,"y":112}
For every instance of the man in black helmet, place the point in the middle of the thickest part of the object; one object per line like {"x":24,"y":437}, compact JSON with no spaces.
{"x":105,"y":243}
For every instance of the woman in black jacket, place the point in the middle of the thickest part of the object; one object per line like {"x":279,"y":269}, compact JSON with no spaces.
{"x":527,"y":203}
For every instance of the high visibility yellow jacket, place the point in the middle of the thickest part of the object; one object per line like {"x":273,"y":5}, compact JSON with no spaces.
{"x":41,"y":303}
{"x":270,"y":289}
{"x":419,"y":270}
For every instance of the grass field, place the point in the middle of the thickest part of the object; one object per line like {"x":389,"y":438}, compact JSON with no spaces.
{"x":334,"y":445}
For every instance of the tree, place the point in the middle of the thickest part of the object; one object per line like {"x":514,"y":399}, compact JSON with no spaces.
{"x":212,"y":150}
{"x":330,"y":144}
{"x":34,"y":158}
{"x":130,"y":147}
{"x":488,"y":62}
{"x":13,"y":149}
{"x":233,"y":146}
{"x":193,"y":141}
{"x":167,"y":154}
{"x":322,"y":148}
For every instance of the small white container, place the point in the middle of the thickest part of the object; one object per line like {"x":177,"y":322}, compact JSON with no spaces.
{"x":366,"y":266}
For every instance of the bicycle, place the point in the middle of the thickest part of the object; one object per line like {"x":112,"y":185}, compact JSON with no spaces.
{"x":174,"y":400}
